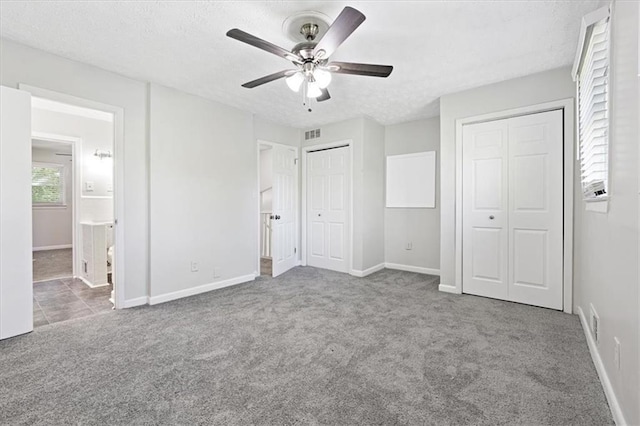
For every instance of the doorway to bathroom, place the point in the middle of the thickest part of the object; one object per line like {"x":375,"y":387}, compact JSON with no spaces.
{"x":74,"y":262}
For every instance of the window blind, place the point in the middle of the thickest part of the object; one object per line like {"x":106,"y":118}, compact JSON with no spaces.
{"x":47,"y":184}
{"x":593,"y":109}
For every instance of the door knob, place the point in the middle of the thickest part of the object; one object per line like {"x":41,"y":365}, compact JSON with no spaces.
{"x":492,"y":217}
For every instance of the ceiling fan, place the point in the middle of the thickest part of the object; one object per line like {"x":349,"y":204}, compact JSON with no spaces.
{"x":311,"y":57}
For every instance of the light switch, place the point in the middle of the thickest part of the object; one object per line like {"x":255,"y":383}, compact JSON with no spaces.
{"x":88,"y":186}
{"x":109,"y":187}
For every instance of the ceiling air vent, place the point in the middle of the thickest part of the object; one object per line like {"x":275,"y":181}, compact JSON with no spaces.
{"x":311,"y":134}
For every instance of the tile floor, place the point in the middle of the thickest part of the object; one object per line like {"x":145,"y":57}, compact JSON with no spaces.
{"x":52,"y":264}
{"x":67,"y":298}
{"x":265,"y":267}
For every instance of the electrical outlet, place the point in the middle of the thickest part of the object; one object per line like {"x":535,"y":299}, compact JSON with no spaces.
{"x":194,"y":266}
{"x":616,"y":353}
{"x":594,"y":322}
{"x":409,"y":246}
{"x":216,"y":272}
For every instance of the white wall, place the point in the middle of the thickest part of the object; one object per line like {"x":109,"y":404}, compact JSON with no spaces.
{"x":203,"y":181}
{"x":368,"y":175}
{"x":22,"y":64}
{"x":52,"y":226}
{"x":96,"y":205}
{"x":271,"y":132}
{"x":606,"y":245}
{"x":373,"y":195}
{"x":520,"y":92}
{"x":95,"y":134}
{"x":421,"y":227}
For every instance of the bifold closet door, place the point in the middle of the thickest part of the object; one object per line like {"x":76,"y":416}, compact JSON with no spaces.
{"x":328,"y":209}
{"x":536,"y":209}
{"x":484,"y":205}
{"x":513,"y":209}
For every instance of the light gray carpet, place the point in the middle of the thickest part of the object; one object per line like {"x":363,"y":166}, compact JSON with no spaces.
{"x":309,"y":347}
{"x":51,"y":264}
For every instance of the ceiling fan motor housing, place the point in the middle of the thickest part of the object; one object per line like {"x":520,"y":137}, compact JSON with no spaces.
{"x":305,"y":50}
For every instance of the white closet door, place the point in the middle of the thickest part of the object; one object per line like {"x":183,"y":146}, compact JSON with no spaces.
{"x":16,"y":282}
{"x":283,"y":224}
{"x":535,"y":209}
{"x":485,"y":202}
{"x":513,"y":209}
{"x":328,"y":209}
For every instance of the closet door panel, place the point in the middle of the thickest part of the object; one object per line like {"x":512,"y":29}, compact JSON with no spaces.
{"x":484,"y":257}
{"x":536,"y":209}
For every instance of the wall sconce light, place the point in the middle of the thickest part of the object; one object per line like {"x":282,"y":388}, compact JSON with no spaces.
{"x":102,"y":154}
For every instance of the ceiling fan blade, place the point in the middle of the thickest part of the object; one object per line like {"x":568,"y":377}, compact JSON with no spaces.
{"x":324,"y":97}
{"x":370,"y":70}
{"x":346,"y":23}
{"x":262,"y":44}
{"x":267,"y":79}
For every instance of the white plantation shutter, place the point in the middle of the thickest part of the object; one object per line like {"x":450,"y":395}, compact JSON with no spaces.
{"x":593,"y":111}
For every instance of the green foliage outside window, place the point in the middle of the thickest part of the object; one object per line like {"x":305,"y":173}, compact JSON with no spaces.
{"x":46,"y":185}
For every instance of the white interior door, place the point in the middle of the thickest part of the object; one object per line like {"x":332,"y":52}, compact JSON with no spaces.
{"x":283,"y":224}
{"x":328,"y":209}
{"x":513,"y":209}
{"x":16,"y":274}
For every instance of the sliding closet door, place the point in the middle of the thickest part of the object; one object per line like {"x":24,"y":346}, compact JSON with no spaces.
{"x":513,"y":209}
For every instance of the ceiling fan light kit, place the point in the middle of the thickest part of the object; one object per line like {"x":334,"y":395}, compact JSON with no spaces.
{"x":294,"y":81}
{"x":313,"y":71}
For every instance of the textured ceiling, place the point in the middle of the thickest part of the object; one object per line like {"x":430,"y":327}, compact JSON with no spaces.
{"x":436,"y":47}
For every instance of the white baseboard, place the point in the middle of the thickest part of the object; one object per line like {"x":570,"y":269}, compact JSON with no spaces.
{"x":43,"y":248}
{"x":367,"y":271}
{"x":138,"y":301}
{"x":154,"y":300}
{"x":614,"y":405}
{"x":448,"y":289}
{"x":409,"y":268}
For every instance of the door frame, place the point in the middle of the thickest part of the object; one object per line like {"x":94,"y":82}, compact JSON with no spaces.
{"x":568,"y":107}
{"x":348,"y":143}
{"x":76,"y":182}
{"x":296,"y":200}
{"x":118,"y":177}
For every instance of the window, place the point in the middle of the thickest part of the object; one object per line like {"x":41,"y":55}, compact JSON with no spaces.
{"x":591,"y":72}
{"x":47,"y":184}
